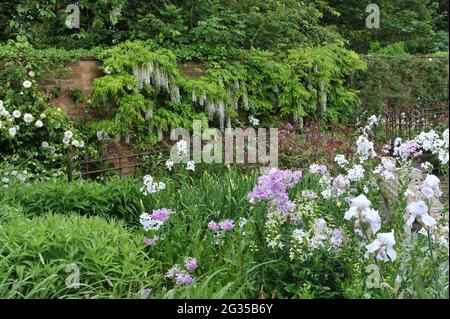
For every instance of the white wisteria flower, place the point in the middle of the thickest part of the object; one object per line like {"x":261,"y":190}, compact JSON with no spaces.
{"x":17,"y":114}
{"x":190,"y":166}
{"x":39,"y":124}
{"x":381,"y":248}
{"x":419,"y":212}
{"x":26,"y":84}
{"x":28,"y":118}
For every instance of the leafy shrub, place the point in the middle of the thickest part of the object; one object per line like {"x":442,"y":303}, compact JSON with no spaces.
{"x":32,"y":130}
{"x":119,"y":198}
{"x":36,"y":256}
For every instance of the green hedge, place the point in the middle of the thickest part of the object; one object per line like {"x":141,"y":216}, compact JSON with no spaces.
{"x":401,"y":82}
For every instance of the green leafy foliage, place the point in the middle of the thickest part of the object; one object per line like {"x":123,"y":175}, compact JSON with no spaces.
{"x":39,"y":256}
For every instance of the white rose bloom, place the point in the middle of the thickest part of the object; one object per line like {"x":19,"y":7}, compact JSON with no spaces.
{"x":76,"y":143}
{"x":12,"y":131}
{"x":39,"y":124}
{"x":66,"y":140}
{"x":17,"y":114}
{"x":28,"y":118}
{"x":31,"y":74}
{"x":68,"y":135}
{"x":27,"y":84}
{"x":44,"y":144}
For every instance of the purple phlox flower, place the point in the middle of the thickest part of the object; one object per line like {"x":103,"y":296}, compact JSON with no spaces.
{"x":213,"y":225}
{"x":151,"y":241}
{"x":190,"y":264}
{"x":227,"y":224}
{"x":410,"y":148}
{"x":173,"y":272}
{"x":273,"y":187}
{"x":162,"y":214}
{"x":185,"y":279}
{"x":319,"y":169}
{"x":337,"y":237}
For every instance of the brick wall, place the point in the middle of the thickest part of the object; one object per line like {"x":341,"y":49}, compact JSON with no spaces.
{"x":80,"y":76}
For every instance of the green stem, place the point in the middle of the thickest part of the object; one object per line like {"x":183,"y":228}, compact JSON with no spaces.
{"x":382,"y":278}
{"x":430,"y":248}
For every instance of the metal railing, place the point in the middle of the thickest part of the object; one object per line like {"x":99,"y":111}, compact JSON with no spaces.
{"x":116,"y":161}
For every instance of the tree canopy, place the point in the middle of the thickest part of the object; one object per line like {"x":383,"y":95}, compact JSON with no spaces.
{"x":218,"y":26}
